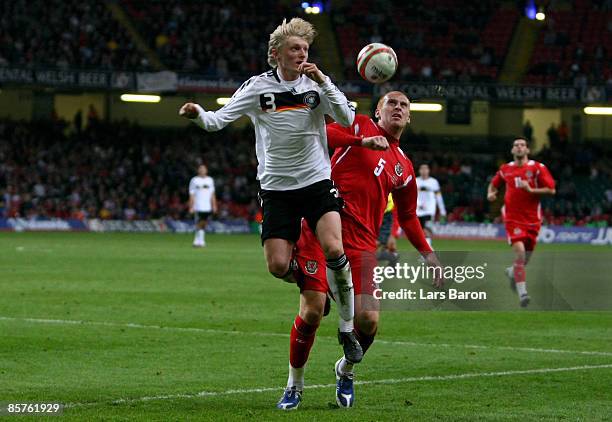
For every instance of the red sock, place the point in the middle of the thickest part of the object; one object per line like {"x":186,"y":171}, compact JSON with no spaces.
{"x":302,"y":339}
{"x":519,"y":271}
{"x":365,"y":340}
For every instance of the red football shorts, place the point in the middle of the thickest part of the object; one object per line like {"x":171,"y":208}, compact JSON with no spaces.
{"x":311,"y":260}
{"x":528,"y":234}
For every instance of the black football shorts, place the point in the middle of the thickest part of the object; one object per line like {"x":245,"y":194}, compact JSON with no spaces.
{"x":283,"y":210}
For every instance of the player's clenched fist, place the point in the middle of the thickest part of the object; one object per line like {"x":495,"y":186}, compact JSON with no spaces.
{"x":376,"y":143}
{"x":312,"y":71}
{"x":189,"y":110}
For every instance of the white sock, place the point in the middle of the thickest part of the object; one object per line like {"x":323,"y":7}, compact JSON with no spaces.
{"x":199,"y":237}
{"x":296,"y":378}
{"x":521,"y":288}
{"x":345,"y":366}
{"x":341,"y":284}
{"x":203,"y":236}
{"x":196,"y":238}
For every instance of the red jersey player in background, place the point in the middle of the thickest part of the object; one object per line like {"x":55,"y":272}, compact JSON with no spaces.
{"x":526,"y":181}
{"x":364,"y":179}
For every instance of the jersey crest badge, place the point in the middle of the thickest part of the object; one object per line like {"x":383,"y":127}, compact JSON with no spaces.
{"x":529,"y":174}
{"x":517,"y":230}
{"x":311,"y":99}
{"x":399,"y":170}
{"x":311,"y":267}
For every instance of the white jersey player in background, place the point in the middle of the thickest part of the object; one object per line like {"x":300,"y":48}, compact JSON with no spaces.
{"x":429,"y":200}
{"x":202,"y":203}
{"x":287,"y":106}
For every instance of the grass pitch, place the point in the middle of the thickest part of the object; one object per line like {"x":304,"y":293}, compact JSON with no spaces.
{"x":142,"y":326}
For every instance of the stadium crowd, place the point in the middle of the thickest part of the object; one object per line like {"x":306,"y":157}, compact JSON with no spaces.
{"x":119,"y":171}
{"x":573,"y":47}
{"x":49,"y":169}
{"x":460,"y":43}
{"x":174,"y":29}
{"x":65,"y":34}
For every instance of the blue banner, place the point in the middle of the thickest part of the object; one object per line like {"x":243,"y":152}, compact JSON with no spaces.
{"x":598,"y":236}
{"x":190,"y":82}
{"x":548,"y":234}
{"x":22,"y":224}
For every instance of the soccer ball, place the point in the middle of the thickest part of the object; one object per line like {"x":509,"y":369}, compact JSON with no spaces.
{"x":376,"y":62}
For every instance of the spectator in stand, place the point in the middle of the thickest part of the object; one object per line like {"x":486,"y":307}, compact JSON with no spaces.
{"x":563,"y":131}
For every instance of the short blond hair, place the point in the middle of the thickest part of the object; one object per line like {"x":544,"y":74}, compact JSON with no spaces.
{"x":296,"y":27}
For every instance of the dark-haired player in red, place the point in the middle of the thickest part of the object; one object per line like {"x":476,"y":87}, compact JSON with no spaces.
{"x":526,"y":181}
{"x":364,"y":179}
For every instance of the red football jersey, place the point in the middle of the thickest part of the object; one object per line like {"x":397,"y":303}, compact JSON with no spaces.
{"x":365,"y":178}
{"x":521,"y":206}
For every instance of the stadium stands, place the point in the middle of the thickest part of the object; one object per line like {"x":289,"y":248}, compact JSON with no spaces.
{"x":434,"y":40}
{"x":573,"y":49}
{"x":123,"y":171}
{"x":119,"y":171}
{"x":466,"y":41}
{"x":64,"y":34}
{"x":237,"y":34}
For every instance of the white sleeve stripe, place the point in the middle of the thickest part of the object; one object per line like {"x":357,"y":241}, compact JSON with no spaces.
{"x":342,"y":156}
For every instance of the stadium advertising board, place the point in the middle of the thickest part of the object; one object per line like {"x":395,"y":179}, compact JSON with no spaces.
{"x":548,"y":234}
{"x":182,"y":82}
{"x":599,"y":236}
{"x":22,"y":224}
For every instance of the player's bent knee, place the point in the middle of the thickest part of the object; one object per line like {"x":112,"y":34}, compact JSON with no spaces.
{"x":334,"y":251}
{"x":367,"y":322}
{"x":278,"y":268}
{"x":312,"y":315}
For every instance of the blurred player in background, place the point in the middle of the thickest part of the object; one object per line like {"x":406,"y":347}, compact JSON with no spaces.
{"x":287,"y":106}
{"x":202,"y":203}
{"x":365,"y":179}
{"x":526,"y":181}
{"x":430,"y":200}
{"x":387,"y":241}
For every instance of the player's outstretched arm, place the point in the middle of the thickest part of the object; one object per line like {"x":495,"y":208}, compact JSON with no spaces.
{"x":405,"y":201}
{"x":376,"y":143}
{"x":189,"y":111}
{"x":491,"y":193}
{"x":191,"y":202}
{"x":213,"y":204}
{"x":537,"y":191}
{"x":339,"y":137}
{"x":243,"y":101}
{"x":440,"y":203}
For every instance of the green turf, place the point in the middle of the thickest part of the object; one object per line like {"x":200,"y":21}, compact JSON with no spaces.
{"x":241,"y":318}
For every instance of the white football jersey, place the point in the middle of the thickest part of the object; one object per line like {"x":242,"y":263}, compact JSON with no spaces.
{"x":202,"y":189}
{"x":289,"y":120}
{"x":427,"y":199}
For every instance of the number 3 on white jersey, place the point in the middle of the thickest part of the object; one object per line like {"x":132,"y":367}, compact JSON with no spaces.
{"x":270,"y":101}
{"x":379,"y":168}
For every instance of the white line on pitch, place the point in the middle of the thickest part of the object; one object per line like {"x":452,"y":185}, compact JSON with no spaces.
{"x":370,"y":382}
{"x":265,"y":334}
